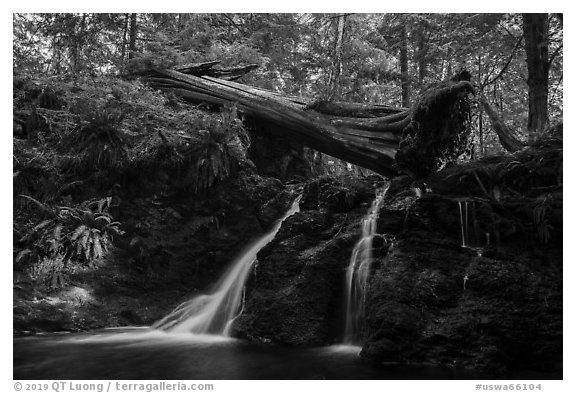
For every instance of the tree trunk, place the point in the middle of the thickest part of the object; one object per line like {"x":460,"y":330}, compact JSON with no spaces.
{"x":404,"y":67}
{"x":125,"y":37}
{"x":182,"y":18}
{"x":334,"y":83}
{"x":133,"y":35}
{"x":422,"y":53}
{"x":536,"y":39}
{"x":480,"y":114}
{"x":209,"y":69}
{"x":76,"y":46}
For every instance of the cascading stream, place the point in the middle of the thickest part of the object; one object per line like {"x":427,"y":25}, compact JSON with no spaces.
{"x":214,"y":313}
{"x":358,"y":272}
{"x":469,"y":234}
{"x":463,"y":222}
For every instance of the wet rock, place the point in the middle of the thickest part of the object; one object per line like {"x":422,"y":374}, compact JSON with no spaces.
{"x":295,"y":294}
{"x":129,"y":318}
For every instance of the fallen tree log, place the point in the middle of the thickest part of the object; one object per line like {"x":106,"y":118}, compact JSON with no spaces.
{"x":208,"y":69}
{"x":368,"y":135}
{"x":350,"y":109}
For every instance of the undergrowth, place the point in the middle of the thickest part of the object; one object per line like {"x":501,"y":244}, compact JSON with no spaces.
{"x":66,"y":238}
{"x":77,"y":142}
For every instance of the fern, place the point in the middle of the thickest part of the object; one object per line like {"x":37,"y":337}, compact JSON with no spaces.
{"x":203,"y":222}
{"x":79,"y":235}
{"x":99,"y":143}
{"x":540,"y":213}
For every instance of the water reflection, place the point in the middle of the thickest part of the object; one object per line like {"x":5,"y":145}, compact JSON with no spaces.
{"x":150,"y":354}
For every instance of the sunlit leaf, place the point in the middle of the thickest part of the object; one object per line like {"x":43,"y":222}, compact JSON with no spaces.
{"x":78,"y":232}
{"x":22,"y":254}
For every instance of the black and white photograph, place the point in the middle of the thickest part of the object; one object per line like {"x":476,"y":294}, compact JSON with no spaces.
{"x":247,"y":196}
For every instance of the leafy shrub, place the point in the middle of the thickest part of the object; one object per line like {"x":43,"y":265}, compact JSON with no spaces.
{"x":67,"y":237}
{"x":540,"y":212}
{"x":205,"y":151}
{"x":49,"y":271}
{"x":220,"y":149}
{"x":100,"y":143}
{"x":34,"y":173}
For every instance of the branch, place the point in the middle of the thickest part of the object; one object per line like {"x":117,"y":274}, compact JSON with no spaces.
{"x":234,"y":24}
{"x":557,"y":85}
{"x":339,"y":15}
{"x":554,"y":54}
{"x":507,"y":63}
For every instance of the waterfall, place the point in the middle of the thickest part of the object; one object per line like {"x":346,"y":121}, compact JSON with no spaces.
{"x":214,"y":313}
{"x":358,"y":272}
{"x":470,"y":236}
{"x":463,"y":222}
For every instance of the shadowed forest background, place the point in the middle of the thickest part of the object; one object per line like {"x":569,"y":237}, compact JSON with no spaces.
{"x":133,"y":189}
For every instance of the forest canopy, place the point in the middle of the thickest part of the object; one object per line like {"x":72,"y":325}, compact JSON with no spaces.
{"x":382,"y":58}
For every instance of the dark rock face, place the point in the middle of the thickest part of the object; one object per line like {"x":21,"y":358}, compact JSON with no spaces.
{"x":295,"y":294}
{"x":432,"y":301}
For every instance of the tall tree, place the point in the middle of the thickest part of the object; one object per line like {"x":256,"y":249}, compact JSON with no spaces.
{"x":77,"y":43}
{"x":536,"y":40}
{"x":133,"y":35}
{"x":422,"y":49}
{"x":125,"y":37}
{"x":405,"y":77}
{"x":334,"y":85}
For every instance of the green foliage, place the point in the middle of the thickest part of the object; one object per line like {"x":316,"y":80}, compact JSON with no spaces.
{"x":540,"y":212}
{"x":100,"y":143}
{"x":204,"y":152}
{"x":65,"y":42}
{"x":296,"y":53}
{"x":67,"y":237}
{"x":34,"y":173}
{"x":220,"y":149}
{"x":49,"y":272}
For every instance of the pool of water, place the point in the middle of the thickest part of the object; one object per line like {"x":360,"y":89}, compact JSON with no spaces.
{"x":143,"y":353}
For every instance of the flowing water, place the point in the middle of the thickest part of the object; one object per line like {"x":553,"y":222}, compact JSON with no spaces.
{"x":463,"y":210}
{"x":214,"y":313}
{"x":358,"y":272}
{"x":470,"y":236}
